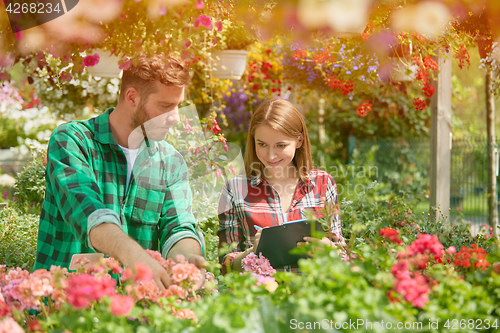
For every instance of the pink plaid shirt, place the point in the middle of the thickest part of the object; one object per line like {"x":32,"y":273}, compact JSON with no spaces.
{"x":246,"y":202}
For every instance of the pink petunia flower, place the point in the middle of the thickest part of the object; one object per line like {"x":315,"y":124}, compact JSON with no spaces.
{"x":91,"y":60}
{"x":205,"y":21}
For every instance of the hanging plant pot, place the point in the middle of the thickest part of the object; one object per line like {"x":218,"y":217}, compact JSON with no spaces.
{"x":229,"y":64}
{"x":402,"y":71}
{"x":107,"y":65}
{"x":401,"y":68}
{"x":344,"y":18}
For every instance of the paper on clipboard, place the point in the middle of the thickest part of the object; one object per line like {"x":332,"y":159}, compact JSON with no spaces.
{"x":92,"y":258}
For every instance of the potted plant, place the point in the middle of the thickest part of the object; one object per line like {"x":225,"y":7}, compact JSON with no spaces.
{"x":230,"y":63}
{"x":401,"y":68}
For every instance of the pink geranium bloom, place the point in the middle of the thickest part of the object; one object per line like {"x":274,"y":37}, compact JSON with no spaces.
{"x":85,"y":288}
{"x":185,"y":314}
{"x":196,"y":23}
{"x":124,"y":64}
{"x":65,"y":76}
{"x":173,"y":290}
{"x":9,"y":325}
{"x":451,"y":250}
{"x":143,"y":273}
{"x":121,"y":305}
{"x":205,"y":21}
{"x":91,"y":60}
{"x":218,"y":25}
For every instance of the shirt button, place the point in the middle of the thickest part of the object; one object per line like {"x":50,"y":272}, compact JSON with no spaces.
{"x":123,"y":168}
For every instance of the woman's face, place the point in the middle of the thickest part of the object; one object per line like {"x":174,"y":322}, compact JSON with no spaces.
{"x":275,"y":150}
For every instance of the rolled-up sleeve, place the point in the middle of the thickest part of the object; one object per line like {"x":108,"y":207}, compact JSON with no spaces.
{"x":177,"y":220}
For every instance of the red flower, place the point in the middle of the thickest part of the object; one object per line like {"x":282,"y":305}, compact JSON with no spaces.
{"x":364,"y":108}
{"x":419,"y":104}
{"x":391,"y":234}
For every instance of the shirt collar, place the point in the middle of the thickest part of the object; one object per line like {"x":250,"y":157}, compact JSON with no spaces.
{"x":102,"y":129}
{"x":103,"y":133}
{"x":308,"y":184}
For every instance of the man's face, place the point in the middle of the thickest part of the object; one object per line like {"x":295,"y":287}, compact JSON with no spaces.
{"x":159,"y":111}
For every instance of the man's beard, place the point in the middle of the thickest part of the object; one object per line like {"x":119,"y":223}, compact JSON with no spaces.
{"x":147,"y":125}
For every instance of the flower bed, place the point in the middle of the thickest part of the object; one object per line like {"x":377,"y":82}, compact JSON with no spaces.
{"x":402,"y":269}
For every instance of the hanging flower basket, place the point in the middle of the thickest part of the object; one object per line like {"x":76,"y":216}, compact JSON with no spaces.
{"x":401,"y":68}
{"x":402,"y":72}
{"x":107,"y":65}
{"x":345,"y":18}
{"x":231,"y":65}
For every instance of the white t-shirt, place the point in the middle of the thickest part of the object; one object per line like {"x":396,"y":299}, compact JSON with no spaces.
{"x":131,"y":155}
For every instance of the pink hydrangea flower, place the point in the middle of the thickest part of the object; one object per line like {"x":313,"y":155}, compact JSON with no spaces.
{"x":91,"y":60}
{"x":121,"y":305}
{"x":259,"y":265}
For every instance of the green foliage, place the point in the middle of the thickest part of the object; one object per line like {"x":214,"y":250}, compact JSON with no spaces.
{"x":362,"y":219}
{"x":30,"y":184}
{"x":9,"y":130}
{"x":18,"y":237}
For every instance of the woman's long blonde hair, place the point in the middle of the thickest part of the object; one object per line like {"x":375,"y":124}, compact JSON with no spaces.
{"x":284,"y":117}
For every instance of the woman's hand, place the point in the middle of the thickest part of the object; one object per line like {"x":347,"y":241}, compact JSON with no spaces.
{"x":256,"y":242}
{"x":324,"y":240}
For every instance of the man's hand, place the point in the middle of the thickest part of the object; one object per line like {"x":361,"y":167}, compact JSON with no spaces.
{"x":110,"y":239}
{"x":160,"y":275}
{"x":190,"y":249}
{"x":201,"y":263}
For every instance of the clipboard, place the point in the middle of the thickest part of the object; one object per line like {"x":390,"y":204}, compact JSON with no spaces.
{"x":276,"y":242}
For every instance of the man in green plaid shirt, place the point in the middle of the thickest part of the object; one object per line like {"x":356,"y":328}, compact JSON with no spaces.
{"x":114,"y":186}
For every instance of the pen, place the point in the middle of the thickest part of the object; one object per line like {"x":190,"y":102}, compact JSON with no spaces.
{"x":257,"y":227}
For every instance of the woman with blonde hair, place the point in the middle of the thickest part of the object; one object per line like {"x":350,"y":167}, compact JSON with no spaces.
{"x":281,"y":184}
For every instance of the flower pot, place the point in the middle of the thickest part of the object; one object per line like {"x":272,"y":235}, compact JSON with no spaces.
{"x":229,"y":64}
{"x":107,"y":65}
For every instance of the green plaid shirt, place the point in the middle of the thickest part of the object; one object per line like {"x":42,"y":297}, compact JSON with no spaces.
{"x":86,"y":185}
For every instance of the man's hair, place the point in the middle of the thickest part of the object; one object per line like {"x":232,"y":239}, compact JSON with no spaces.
{"x":284,"y":117}
{"x":145,"y":71}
